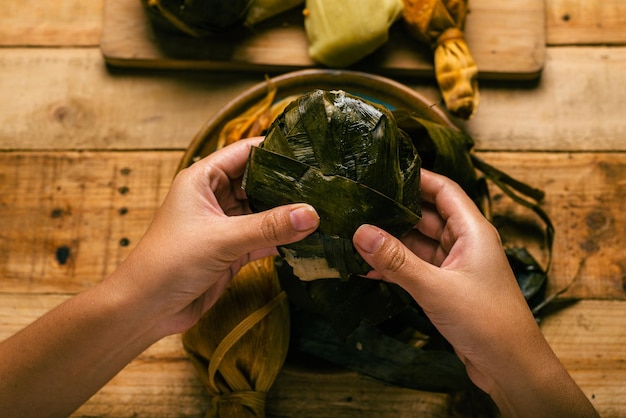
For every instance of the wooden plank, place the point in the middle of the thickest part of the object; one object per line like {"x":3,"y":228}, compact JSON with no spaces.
{"x":55,"y":23}
{"x":80,"y":105}
{"x":584,"y":198}
{"x":576,"y":105}
{"x":68,"y":219}
{"x":584,"y":22}
{"x":587,"y":337}
{"x":507,"y":40}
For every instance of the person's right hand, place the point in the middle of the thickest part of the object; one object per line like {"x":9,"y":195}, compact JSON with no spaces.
{"x":453,"y":264}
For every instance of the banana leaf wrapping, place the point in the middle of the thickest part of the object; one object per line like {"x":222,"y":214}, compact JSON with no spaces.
{"x":346,"y":157}
{"x":197,"y":18}
{"x":440,"y":23}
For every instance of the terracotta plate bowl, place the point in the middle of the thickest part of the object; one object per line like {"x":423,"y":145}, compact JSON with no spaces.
{"x":368,"y":86}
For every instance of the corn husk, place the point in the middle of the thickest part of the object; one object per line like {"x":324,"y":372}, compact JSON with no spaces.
{"x":341,"y":32}
{"x":254,"y":121}
{"x":345,"y":156}
{"x":440,"y":23}
{"x":239,"y":346}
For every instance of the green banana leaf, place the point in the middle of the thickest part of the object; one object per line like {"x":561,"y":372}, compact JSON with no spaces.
{"x":347,"y":158}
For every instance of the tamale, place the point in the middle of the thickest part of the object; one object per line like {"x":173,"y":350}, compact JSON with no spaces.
{"x":346,"y":157}
{"x":342,"y":32}
{"x":198,"y":18}
{"x":239,"y":346}
{"x":440,"y":23}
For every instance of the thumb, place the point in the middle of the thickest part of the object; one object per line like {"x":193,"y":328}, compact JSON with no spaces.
{"x":274,"y":227}
{"x":391,"y":259}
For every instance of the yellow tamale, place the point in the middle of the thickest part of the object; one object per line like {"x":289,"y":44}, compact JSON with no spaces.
{"x":239,"y":346}
{"x":440,"y":24}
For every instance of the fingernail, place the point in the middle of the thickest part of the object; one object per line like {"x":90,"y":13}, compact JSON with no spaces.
{"x":369,"y":238}
{"x":304,"y":218}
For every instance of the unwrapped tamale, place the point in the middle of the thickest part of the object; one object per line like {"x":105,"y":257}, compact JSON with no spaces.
{"x":346,"y":157}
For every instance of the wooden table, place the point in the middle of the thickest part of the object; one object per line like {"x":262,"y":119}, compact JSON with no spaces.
{"x":87,"y":154}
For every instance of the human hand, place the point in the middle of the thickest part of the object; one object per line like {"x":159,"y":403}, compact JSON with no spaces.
{"x":453,"y":264}
{"x":203,"y":233}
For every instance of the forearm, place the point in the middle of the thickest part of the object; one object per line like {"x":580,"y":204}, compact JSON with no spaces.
{"x":54,"y":365}
{"x":537,"y":385}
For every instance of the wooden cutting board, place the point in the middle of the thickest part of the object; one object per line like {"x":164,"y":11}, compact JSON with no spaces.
{"x":506,"y":38}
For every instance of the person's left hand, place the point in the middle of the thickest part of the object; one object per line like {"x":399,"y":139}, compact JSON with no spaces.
{"x":202,"y":235}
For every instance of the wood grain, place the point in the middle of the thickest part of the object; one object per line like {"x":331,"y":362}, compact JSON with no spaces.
{"x":87,"y":153}
{"x":37,"y":23}
{"x":577,"y":104}
{"x":68,"y":219}
{"x":580,"y":22}
{"x":507,"y":40}
{"x":80,"y":104}
{"x":161,"y":382}
{"x":584,"y":194}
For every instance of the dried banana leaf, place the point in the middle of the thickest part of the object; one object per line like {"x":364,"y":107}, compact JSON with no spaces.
{"x":344,"y":305}
{"x":341,"y":154}
{"x":239,"y":346}
{"x":197,"y":18}
{"x":443,"y":149}
{"x":371,"y":352}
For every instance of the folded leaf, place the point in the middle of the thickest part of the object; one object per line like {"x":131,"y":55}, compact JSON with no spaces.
{"x":347,"y":158}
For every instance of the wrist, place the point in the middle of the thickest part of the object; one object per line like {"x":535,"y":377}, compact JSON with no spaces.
{"x":131,"y":304}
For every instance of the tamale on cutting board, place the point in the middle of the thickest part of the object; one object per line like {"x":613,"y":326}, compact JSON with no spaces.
{"x":506,"y":38}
